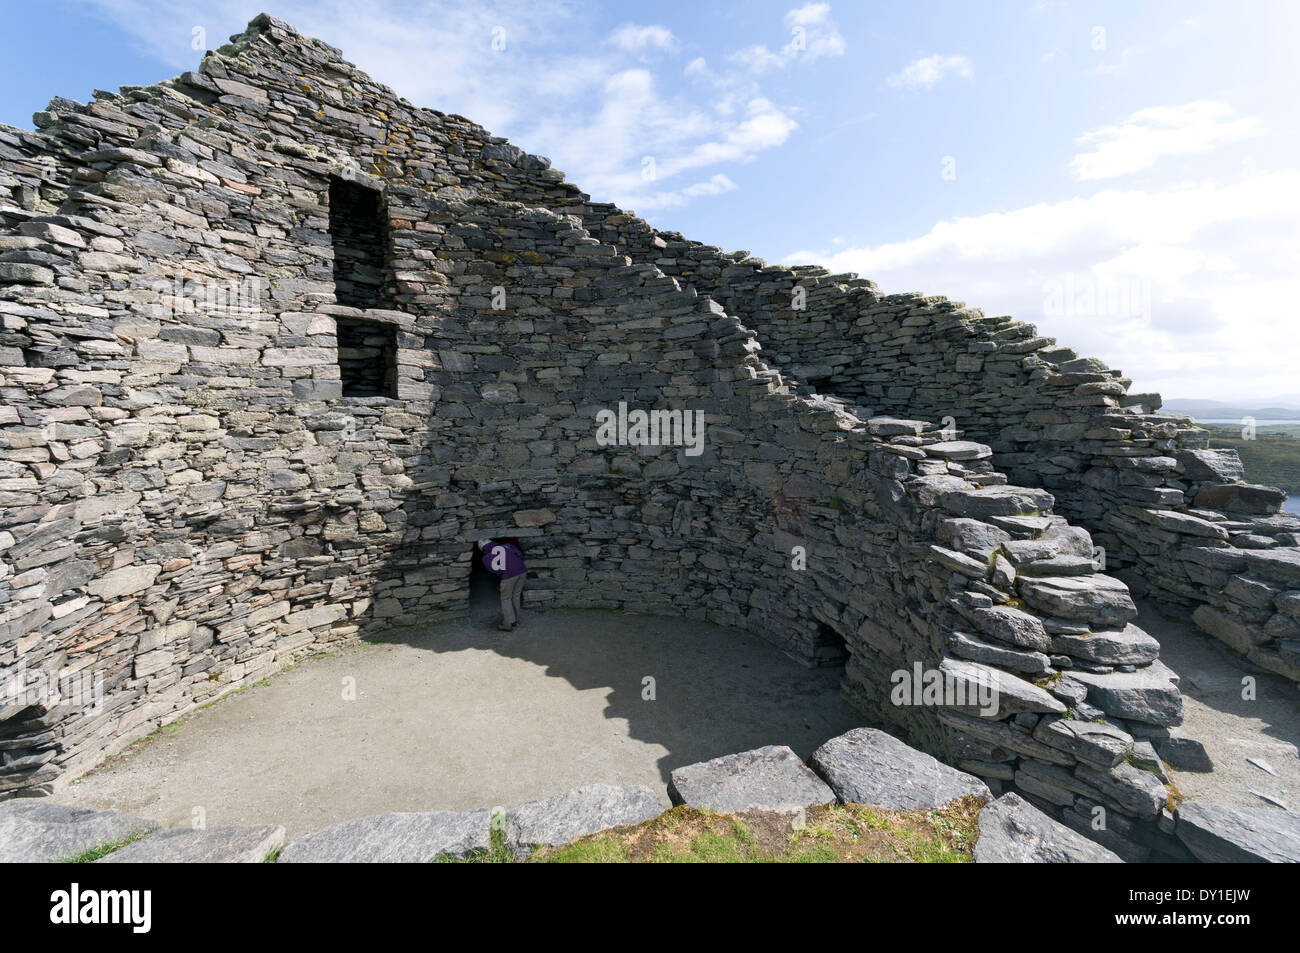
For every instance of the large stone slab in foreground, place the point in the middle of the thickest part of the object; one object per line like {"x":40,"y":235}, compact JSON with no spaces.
{"x":769,"y":778}
{"x":217,"y":845}
{"x":1215,"y":833}
{"x":37,"y":831}
{"x":866,"y":766}
{"x":566,"y":817}
{"x":393,"y":839}
{"x":1012,"y":831}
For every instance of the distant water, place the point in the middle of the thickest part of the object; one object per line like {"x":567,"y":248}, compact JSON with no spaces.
{"x":1292,"y":505}
{"x":1259,"y":422}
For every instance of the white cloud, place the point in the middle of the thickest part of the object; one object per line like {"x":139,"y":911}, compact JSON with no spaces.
{"x":1149,"y":135}
{"x":927,"y":71}
{"x":813,"y":34}
{"x":1202,"y":278}
{"x":632,"y":38}
{"x":555,"y":88}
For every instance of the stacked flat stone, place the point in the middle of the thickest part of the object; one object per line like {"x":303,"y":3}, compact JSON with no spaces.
{"x":1179,"y":521}
{"x":188,"y":502}
{"x":864,"y":766}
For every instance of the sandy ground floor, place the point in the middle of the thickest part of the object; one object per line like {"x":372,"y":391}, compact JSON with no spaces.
{"x":462,"y":716}
{"x":1239,"y":731}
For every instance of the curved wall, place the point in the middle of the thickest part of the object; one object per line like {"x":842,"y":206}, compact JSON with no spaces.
{"x":189,"y":502}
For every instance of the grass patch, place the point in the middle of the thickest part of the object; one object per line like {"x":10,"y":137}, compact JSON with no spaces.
{"x":103,"y":850}
{"x":851,"y":833}
{"x":497,"y":852}
{"x":1272,"y":458}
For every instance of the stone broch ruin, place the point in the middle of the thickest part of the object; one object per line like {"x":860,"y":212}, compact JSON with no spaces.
{"x":278,"y":347}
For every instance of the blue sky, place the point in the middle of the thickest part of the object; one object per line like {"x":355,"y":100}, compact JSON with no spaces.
{"x":1122,"y":174}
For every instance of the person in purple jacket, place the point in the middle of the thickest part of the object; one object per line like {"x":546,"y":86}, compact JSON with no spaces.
{"x":507,"y":563}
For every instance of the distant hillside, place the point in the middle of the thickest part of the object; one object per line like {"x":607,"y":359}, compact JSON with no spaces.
{"x":1271,"y":458}
{"x":1221,"y":410}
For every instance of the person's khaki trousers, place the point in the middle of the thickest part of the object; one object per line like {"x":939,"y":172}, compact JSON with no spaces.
{"x":512,"y":594}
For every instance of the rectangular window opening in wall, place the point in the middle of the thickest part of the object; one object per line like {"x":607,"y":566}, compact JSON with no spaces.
{"x":363,"y":263}
{"x":367,"y":357}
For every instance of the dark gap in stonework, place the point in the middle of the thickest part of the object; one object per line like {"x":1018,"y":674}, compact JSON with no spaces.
{"x":363,"y":265}
{"x":367,"y":357}
{"x":830,"y":647}
{"x":483,"y":585}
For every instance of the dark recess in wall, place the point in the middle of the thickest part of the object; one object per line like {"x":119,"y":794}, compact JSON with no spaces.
{"x":367,"y":358}
{"x":363,"y":265}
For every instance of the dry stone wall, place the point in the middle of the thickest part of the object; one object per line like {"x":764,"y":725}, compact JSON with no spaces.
{"x":203,"y":480}
{"x":1178,"y":521}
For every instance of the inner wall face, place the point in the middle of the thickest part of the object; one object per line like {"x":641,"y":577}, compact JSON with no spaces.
{"x":281,"y":348}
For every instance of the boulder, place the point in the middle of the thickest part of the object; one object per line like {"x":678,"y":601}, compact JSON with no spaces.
{"x":217,"y":845}
{"x":768,"y":778}
{"x":394,"y":838}
{"x":1215,"y":833}
{"x":1012,"y":831}
{"x":866,"y":766}
{"x":565,"y":817}
{"x":38,"y":831}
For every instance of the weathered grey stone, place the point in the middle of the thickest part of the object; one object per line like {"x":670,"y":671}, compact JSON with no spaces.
{"x":1001,"y":734}
{"x":1216,"y":833}
{"x":1011,"y":694}
{"x":35,"y":830}
{"x":1241,"y":498}
{"x":1148,"y":695}
{"x":977,"y":650}
{"x":1211,"y":466}
{"x":1097,"y":743}
{"x":394,"y":838}
{"x":1132,"y":789}
{"x":1280,"y":564}
{"x":768,"y":778}
{"x":124,"y":581}
{"x":216,"y":845}
{"x":867,"y":766}
{"x":972,"y":536}
{"x":958,"y":450}
{"x":1011,"y":625}
{"x":1011,"y":831}
{"x":1127,"y":646}
{"x":1100,"y":600}
{"x":565,"y":817}
{"x":1182,"y":752}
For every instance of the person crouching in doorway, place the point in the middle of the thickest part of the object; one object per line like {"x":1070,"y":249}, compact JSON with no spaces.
{"x":506,"y":562}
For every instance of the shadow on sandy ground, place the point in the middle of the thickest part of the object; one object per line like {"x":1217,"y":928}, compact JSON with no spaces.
{"x":1233,"y":728}
{"x":461,"y":715}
